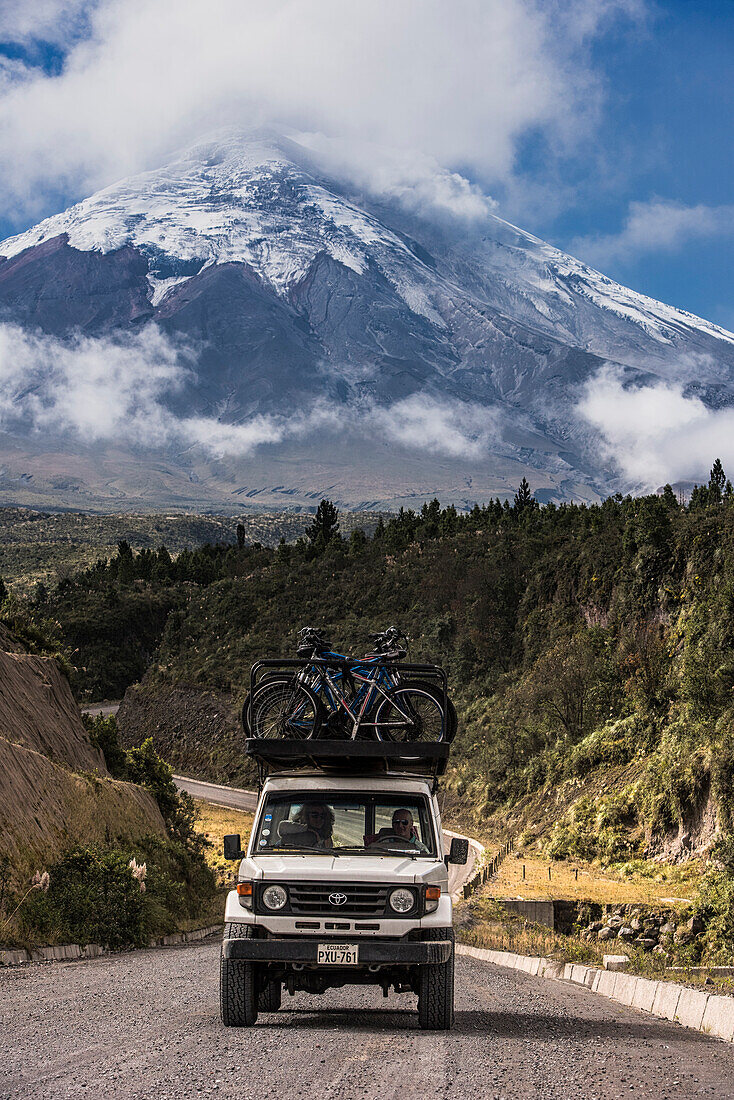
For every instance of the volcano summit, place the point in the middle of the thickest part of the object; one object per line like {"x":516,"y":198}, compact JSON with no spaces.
{"x":239,"y":329}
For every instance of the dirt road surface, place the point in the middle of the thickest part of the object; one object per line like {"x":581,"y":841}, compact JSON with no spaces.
{"x":145,"y":1026}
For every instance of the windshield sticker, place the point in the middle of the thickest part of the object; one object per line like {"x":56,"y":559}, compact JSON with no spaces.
{"x":266,"y":832}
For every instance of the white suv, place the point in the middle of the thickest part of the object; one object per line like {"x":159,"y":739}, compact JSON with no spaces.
{"x":344,"y":882}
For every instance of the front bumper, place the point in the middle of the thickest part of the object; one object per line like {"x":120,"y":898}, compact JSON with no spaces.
{"x":371,"y":952}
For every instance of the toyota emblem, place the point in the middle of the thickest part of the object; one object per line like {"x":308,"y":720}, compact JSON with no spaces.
{"x":338,"y":899}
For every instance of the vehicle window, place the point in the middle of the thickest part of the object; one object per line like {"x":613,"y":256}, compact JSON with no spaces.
{"x":354,"y":823}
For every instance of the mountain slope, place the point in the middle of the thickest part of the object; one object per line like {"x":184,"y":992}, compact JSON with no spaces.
{"x":331,"y":343}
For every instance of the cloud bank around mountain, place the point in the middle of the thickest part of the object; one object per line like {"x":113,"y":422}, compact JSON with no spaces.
{"x":462,"y":83}
{"x":655,"y":433}
{"x":116,"y":390}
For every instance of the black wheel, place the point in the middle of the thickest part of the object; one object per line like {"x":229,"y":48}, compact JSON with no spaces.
{"x":286,"y":709}
{"x":262,"y":681}
{"x":269,"y":999}
{"x":238,"y":995}
{"x":436,"y":987}
{"x":413,"y":712}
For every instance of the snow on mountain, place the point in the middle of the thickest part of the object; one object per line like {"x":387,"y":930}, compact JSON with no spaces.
{"x":462,"y":347}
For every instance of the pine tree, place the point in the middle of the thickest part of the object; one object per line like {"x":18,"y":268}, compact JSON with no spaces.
{"x":240,"y":536}
{"x":325,"y":526}
{"x":3,"y":591}
{"x":523,"y":497}
{"x":717,"y":482}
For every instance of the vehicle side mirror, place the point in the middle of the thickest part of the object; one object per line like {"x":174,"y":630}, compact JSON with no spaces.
{"x":233,"y":846}
{"x":459,"y":850}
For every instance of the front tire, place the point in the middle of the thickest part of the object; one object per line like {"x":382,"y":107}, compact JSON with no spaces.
{"x":238,"y":995}
{"x":436,"y":988}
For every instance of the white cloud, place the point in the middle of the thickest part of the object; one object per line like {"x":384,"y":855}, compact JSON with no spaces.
{"x":55,"y":21}
{"x":103,"y":390}
{"x":98,"y":389}
{"x":454,"y":428}
{"x":657,"y":226}
{"x":655,"y":433}
{"x":415,"y":180}
{"x":461,"y":82}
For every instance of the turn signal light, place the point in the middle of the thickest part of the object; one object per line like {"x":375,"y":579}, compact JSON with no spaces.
{"x":433,"y":896}
{"x":244,"y":892}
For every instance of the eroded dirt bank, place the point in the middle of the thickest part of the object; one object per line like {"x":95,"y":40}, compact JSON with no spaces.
{"x":55,"y":790}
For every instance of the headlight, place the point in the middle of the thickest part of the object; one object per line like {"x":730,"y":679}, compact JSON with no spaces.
{"x":402,"y":900}
{"x":275,"y":897}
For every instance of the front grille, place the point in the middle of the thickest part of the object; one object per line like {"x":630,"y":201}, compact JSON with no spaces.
{"x":364,"y":899}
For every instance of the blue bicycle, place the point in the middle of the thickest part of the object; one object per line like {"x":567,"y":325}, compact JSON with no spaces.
{"x":335,"y":696}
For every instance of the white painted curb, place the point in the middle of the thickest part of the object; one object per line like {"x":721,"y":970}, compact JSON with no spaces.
{"x":710,"y":1013}
{"x":69,"y":951}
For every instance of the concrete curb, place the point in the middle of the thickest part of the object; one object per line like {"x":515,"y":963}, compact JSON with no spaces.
{"x":710,"y":1013}
{"x":68,"y":951}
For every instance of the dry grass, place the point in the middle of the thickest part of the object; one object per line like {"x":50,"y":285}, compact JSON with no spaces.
{"x":585,"y":882}
{"x":214,"y":823}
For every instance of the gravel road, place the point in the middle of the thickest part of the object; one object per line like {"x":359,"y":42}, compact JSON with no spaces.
{"x":145,"y":1025}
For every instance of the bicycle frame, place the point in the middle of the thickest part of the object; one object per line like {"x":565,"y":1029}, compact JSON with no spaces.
{"x":373,"y":683}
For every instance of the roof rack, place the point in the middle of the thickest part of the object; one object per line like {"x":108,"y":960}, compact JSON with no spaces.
{"x":421,"y":758}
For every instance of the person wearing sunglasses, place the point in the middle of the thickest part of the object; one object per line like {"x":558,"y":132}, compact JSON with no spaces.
{"x":403,"y":827}
{"x":317,"y":818}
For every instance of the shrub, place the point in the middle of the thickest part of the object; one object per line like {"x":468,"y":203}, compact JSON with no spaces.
{"x":715,"y":904}
{"x":94,"y":897}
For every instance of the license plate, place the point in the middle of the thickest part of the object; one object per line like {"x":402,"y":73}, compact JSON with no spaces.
{"x":338,"y":954}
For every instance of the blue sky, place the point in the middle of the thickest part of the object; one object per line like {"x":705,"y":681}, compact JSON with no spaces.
{"x":604,"y":126}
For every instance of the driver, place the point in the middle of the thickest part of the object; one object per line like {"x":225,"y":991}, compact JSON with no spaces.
{"x":403,"y":827}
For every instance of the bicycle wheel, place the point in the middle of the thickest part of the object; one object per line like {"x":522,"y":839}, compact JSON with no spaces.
{"x":412,"y":712}
{"x":285,"y":709}
{"x":263,"y":681}
{"x":452,"y":719}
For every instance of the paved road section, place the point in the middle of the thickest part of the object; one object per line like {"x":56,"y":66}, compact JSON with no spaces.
{"x":105,"y":711}
{"x":145,"y":1026}
{"x":221,"y":796}
{"x":247,"y":800}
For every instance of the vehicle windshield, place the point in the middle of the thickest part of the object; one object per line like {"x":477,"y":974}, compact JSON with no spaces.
{"x":345,"y":823}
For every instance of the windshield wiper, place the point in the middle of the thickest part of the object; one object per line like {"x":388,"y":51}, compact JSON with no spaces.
{"x":297,"y":851}
{"x":401,"y":852}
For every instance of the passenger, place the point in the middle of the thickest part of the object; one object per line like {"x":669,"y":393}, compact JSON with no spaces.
{"x":317,"y":818}
{"x":403,"y":827}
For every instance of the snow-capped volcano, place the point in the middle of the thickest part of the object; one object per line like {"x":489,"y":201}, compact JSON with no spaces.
{"x":332,"y":342}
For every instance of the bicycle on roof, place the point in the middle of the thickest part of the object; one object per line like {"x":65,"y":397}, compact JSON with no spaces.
{"x":336,"y":696}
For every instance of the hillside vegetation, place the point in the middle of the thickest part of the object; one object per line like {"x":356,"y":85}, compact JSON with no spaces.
{"x":96,"y":844}
{"x":43,"y":548}
{"x":590,"y":650}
